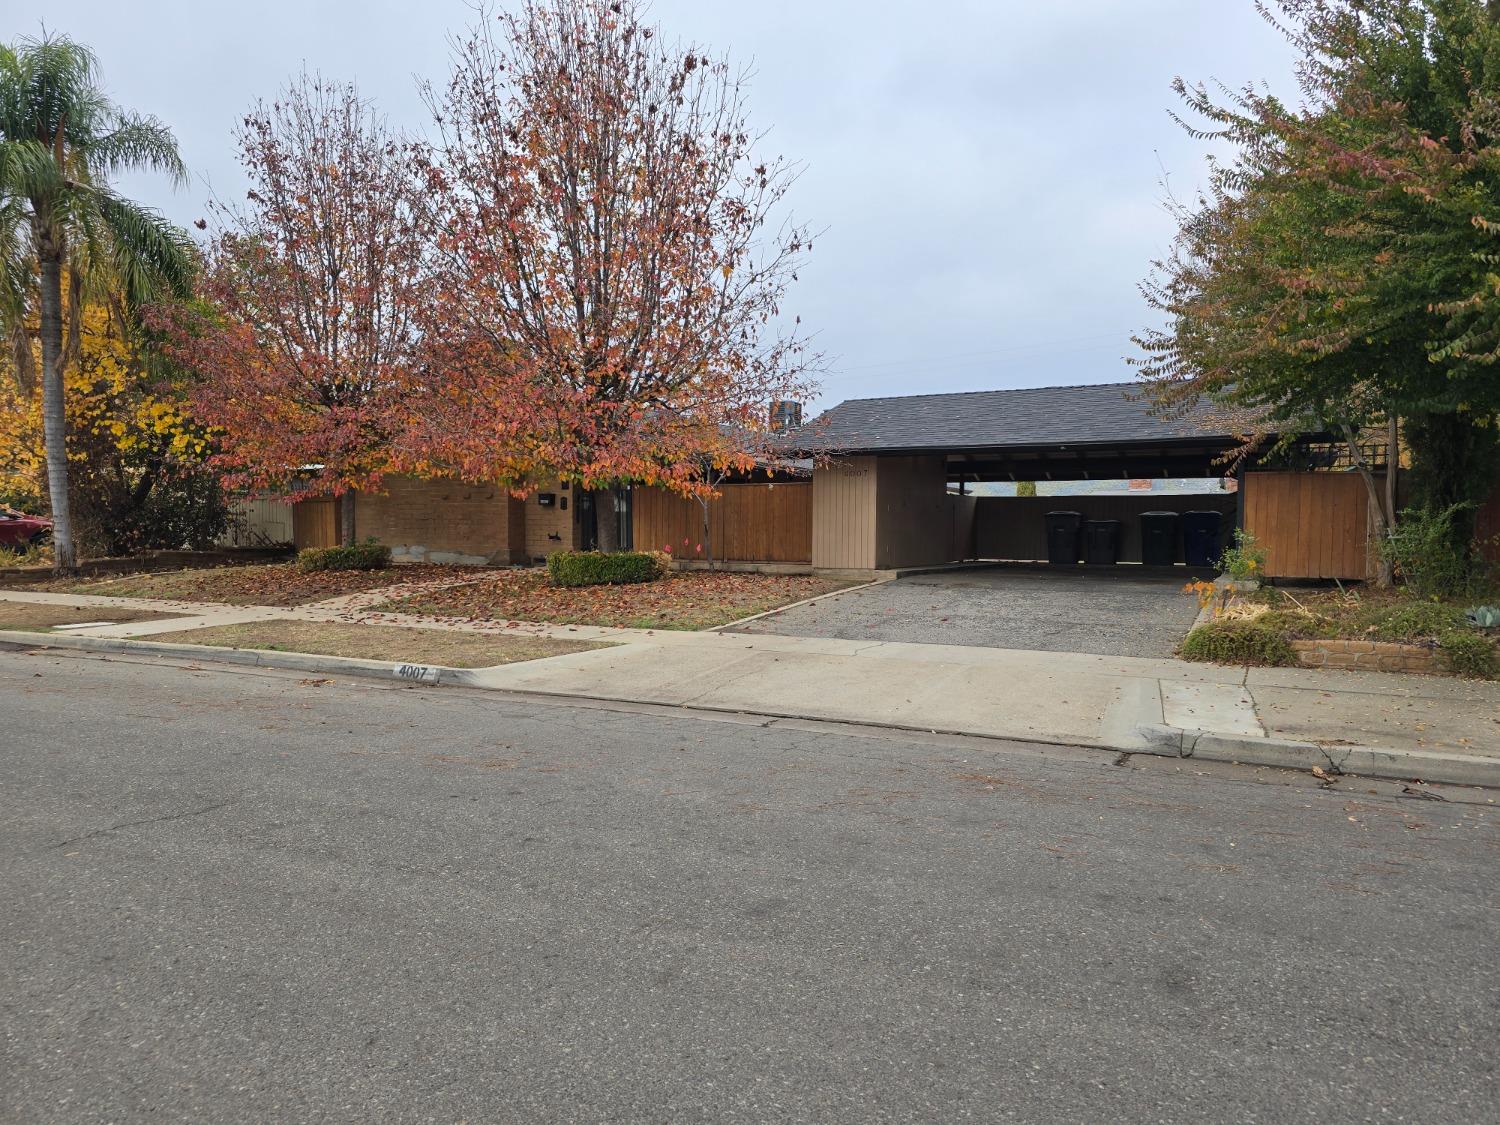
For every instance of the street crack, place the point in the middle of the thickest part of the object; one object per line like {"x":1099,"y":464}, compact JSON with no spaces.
{"x":138,"y":823}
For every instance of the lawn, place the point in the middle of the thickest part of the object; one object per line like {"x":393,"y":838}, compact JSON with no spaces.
{"x":33,"y":617}
{"x":278,"y":584}
{"x":449,"y":648}
{"x":683,"y":600}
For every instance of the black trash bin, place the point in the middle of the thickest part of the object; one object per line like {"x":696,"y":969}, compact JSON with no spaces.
{"x":1062,"y":537}
{"x":1200,"y":538}
{"x":1159,"y":538}
{"x":1101,"y":542}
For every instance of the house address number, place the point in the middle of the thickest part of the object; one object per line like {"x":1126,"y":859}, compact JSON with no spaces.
{"x":421,"y":673}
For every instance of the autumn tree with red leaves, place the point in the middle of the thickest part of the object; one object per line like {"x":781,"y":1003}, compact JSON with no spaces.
{"x":611,"y":261}
{"x":306,"y":338}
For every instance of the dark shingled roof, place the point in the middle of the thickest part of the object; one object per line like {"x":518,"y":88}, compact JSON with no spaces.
{"x":1102,"y":414}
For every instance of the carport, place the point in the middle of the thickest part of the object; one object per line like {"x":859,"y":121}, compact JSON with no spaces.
{"x":893,"y":485}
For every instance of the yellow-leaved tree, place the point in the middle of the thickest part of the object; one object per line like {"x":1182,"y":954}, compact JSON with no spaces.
{"x":140,"y":480}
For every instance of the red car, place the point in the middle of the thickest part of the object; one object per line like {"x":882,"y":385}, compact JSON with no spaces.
{"x":20,"y":530}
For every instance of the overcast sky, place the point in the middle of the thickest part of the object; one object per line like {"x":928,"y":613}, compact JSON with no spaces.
{"x":988,"y":171}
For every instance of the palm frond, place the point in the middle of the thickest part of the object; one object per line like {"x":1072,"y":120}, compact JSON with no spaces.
{"x":151,"y":257}
{"x":138,"y":143}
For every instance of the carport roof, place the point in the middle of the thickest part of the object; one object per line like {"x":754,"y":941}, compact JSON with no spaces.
{"x":1034,"y":417}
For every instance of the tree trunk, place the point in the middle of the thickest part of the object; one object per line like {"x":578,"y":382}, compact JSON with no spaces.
{"x":1392,"y":467}
{"x":607,"y":520}
{"x":1384,"y":518}
{"x":346,"y":518}
{"x":708,"y":538}
{"x":54,"y":419}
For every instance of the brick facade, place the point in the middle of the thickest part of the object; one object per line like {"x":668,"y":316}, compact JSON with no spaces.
{"x":448,"y":521}
{"x":559,"y":520}
{"x":444,"y":521}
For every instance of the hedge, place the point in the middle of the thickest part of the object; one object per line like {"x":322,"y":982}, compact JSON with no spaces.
{"x":591,"y":568}
{"x":368,"y":555}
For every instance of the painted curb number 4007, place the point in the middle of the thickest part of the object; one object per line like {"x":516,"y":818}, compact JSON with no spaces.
{"x":419,"y":672}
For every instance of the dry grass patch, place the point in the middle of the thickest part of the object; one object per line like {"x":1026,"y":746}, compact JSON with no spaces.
{"x":275,"y":584}
{"x":681,"y":600}
{"x":33,"y":617}
{"x":449,"y":648}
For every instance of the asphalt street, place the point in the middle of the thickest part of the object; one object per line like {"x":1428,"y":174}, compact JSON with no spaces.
{"x":255,"y":896}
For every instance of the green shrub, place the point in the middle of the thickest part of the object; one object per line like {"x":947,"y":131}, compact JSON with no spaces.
{"x":1244,"y":562}
{"x":368,"y":555}
{"x":592,"y":568}
{"x":1238,"y":642}
{"x":1423,"y":553}
{"x":1412,"y":621}
{"x":1470,"y":654}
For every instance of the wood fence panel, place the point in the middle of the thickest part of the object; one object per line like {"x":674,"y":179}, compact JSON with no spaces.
{"x":747,"y":522}
{"x":1311,"y":525}
{"x":315,"y":523}
{"x":258,"y":523}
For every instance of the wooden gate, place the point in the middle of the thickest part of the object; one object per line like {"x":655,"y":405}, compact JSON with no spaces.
{"x":315,"y":523}
{"x":748,"y":522}
{"x":1311,"y":525}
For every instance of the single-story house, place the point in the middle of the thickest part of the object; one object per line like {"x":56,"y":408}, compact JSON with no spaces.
{"x":889,"y":488}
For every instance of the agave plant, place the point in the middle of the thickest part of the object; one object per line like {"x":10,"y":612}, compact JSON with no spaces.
{"x":1484,"y":616}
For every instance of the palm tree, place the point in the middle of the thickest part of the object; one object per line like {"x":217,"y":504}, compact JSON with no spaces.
{"x":61,"y":139}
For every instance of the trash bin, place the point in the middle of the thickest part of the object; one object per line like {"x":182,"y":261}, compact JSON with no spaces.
{"x":1200,"y":538}
{"x":1062,"y":537}
{"x":1159,"y":538}
{"x":1101,"y":542}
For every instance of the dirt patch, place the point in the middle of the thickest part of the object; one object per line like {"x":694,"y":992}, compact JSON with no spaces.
{"x":33,"y":617}
{"x":448,"y":648}
{"x":277,"y":584}
{"x":685,"y":600}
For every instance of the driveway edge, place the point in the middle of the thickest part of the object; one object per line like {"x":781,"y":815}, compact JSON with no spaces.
{"x":1155,"y":739}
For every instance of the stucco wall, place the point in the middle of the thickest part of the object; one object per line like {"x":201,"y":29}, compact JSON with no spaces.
{"x":442,"y":521}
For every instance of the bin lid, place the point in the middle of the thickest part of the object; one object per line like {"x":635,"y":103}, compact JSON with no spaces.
{"x":1077,"y":514}
{"x":1161,"y":515}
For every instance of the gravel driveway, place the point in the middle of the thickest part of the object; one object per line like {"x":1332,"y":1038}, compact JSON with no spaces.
{"x":1111,"y":614}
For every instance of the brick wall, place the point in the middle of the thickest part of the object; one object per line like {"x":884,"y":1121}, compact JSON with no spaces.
{"x":1370,"y":656}
{"x":543,"y":523}
{"x":444,"y":521}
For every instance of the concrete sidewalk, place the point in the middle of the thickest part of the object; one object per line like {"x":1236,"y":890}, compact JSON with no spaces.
{"x":1390,"y":725}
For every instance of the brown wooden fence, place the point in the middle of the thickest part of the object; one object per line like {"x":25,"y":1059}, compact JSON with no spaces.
{"x":1311,"y":525}
{"x":315,"y":523}
{"x":748,"y":522}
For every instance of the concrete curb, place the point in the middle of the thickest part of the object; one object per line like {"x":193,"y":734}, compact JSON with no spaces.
{"x":256,"y":658}
{"x":1285,"y":753}
{"x":1156,"y":739}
